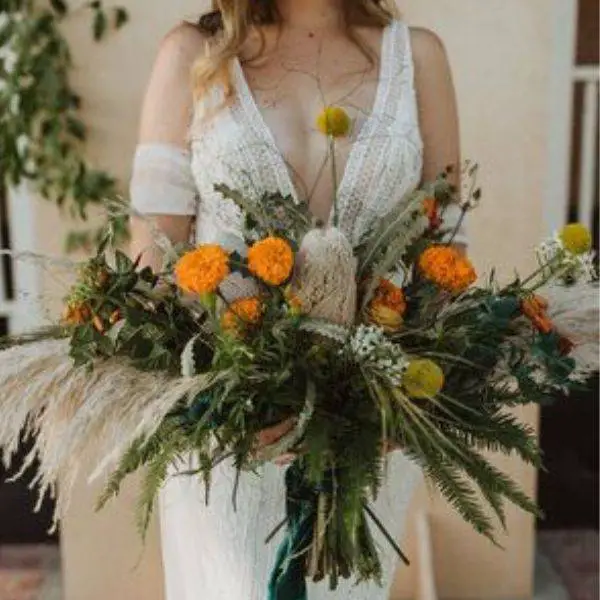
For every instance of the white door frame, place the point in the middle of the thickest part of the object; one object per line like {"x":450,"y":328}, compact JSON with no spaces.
{"x":560,"y":113}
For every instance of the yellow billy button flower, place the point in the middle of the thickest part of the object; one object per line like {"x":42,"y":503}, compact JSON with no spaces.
{"x":202,"y":270}
{"x":423,"y":378}
{"x":334,"y":121}
{"x":272,"y":260}
{"x":576,"y":238}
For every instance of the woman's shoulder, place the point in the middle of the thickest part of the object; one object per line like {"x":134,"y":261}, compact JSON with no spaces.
{"x":184,"y":42}
{"x":428,"y":48}
{"x":168,"y":102}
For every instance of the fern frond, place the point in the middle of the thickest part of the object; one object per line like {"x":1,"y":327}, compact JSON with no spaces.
{"x":499,"y":433}
{"x":141,"y":452}
{"x":457,"y":491}
{"x":390,"y":229}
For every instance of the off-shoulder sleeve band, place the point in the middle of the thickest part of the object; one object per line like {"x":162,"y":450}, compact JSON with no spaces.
{"x":162,"y":181}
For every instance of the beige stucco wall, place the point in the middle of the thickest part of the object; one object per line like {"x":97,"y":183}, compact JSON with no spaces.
{"x":500,"y":53}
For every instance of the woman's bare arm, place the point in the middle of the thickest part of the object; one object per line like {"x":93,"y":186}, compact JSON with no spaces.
{"x":166,"y":115}
{"x":438,"y":113}
{"x":165,"y":119}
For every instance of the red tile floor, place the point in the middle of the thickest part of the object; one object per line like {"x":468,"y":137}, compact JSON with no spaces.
{"x":29,"y":573}
{"x":33,"y":572}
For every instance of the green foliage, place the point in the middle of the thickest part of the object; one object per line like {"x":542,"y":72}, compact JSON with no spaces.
{"x":272,"y":214}
{"x":41,"y":132}
{"x":271,"y":371}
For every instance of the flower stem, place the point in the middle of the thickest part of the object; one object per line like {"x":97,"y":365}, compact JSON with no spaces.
{"x":335,"y":180}
{"x":550,"y":265}
{"x":457,"y":226}
{"x":386,"y":534}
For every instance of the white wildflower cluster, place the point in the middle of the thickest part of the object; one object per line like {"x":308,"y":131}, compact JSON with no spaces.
{"x":561,"y":261}
{"x":371,"y":347}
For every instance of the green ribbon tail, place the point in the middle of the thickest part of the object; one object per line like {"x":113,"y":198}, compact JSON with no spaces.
{"x":288,"y":577}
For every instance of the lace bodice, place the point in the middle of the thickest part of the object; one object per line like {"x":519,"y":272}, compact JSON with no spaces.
{"x":217,"y":552}
{"x":235,"y":146}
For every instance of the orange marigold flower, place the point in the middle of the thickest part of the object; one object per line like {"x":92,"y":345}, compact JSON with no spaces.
{"x":534,"y":305}
{"x":76,"y":314}
{"x":98,"y":324}
{"x":202,"y":270}
{"x":534,"y":308}
{"x":240,"y":312}
{"x":390,"y":296}
{"x":272,"y":260}
{"x":388,"y":306}
{"x":448,"y":268}
{"x":294,"y":302}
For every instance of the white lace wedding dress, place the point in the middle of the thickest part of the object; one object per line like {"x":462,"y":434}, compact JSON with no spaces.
{"x":215,"y":552}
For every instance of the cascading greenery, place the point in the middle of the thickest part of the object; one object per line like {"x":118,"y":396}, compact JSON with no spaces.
{"x":41,"y":131}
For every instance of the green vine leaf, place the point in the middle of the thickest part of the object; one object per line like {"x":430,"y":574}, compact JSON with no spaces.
{"x":76,"y":128}
{"x":41,"y":132}
{"x":100,"y":25}
{"x":121,"y":17}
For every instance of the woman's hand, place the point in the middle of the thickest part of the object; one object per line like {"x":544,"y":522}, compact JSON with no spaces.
{"x":389,"y":447}
{"x":271,"y":435}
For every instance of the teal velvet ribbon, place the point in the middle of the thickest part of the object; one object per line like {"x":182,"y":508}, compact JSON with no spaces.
{"x":288,"y":577}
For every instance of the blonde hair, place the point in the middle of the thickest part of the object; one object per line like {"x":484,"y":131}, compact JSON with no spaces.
{"x":231,"y":21}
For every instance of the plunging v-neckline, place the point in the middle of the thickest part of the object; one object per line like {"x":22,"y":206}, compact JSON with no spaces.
{"x":248,"y":102}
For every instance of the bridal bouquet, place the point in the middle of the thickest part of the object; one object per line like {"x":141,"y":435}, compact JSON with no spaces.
{"x":391,"y":344}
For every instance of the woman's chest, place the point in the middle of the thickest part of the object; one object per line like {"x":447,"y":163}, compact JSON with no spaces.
{"x":291,"y":87}
{"x":267,"y":136}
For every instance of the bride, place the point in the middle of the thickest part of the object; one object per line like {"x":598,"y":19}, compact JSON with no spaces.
{"x":262,"y":70}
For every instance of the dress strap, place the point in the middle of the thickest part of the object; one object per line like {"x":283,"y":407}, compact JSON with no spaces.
{"x":398,"y":73}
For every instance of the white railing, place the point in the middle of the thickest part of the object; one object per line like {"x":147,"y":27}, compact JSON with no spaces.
{"x":589,"y":76}
{"x":7,"y":305}
{"x":22,"y":310}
